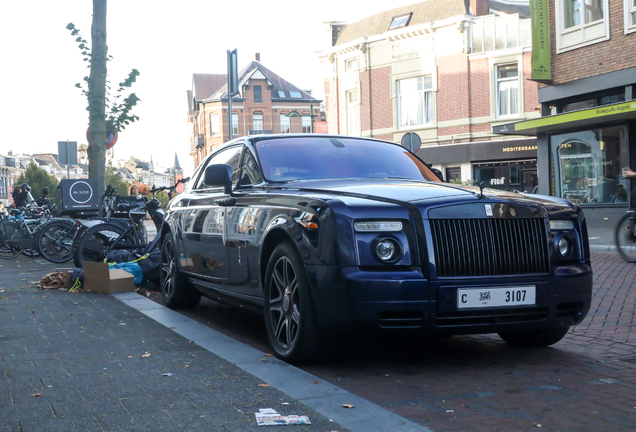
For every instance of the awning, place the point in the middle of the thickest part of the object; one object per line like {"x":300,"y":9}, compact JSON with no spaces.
{"x":587,"y":118}
{"x":479,"y":151}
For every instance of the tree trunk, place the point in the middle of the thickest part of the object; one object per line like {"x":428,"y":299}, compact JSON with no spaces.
{"x":97,"y":97}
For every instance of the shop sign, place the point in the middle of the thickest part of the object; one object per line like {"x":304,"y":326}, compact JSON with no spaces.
{"x":498,"y":181}
{"x":541,"y":70}
{"x":518,"y":149}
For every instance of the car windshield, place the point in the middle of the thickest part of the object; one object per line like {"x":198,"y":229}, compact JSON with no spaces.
{"x":302,"y":158}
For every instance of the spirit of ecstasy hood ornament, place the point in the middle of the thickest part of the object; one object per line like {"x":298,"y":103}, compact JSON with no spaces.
{"x":481,"y":190}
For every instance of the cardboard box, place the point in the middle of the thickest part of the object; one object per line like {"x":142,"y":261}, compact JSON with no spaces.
{"x":98,"y":277}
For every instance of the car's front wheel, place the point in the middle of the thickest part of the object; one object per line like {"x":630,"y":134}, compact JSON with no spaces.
{"x":290,"y":319}
{"x":176,"y":291}
{"x":537,"y":338}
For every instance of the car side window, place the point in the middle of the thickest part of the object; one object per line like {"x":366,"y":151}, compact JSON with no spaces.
{"x":250,"y":173}
{"x":230,"y":156}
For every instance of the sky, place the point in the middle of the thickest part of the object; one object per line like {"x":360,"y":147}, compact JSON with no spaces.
{"x":166,"y":42}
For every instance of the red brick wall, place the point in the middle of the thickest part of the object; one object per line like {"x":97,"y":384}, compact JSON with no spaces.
{"x":602,"y":57}
{"x":531,"y":99}
{"x":380,"y":111}
{"x":480,"y":88}
{"x":452,"y":100}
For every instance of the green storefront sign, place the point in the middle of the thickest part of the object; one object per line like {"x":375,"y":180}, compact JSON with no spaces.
{"x":541,"y":70}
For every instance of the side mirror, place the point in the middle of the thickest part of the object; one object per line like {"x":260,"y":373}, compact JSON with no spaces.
{"x":219,"y":175}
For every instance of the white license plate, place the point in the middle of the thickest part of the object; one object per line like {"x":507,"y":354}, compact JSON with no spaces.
{"x":496,"y":297}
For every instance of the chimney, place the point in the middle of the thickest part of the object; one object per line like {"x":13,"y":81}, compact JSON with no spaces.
{"x":480,"y":7}
{"x":258,"y":57}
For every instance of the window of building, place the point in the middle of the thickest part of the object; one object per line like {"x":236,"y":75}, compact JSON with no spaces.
{"x":258,"y":94}
{"x":400,"y":21}
{"x":285,"y":126}
{"x":507,"y":98}
{"x":587,"y":165}
{"x":257,"y":121}
{"x":235,"y":125}
{"x":215,"y":125}
{"x":581,"y":22}
{"x":295,"y":94}
{"x":350,"y":65}
{"x":491,"y":33}
{"x":415,"y":101}
{"x":353,"y":124}
{"x":281,"y":93}
{"x":306,"y":124}
{"x":630,"y":15}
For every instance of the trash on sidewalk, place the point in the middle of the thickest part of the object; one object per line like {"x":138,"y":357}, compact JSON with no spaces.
{"x":347,"y":406}
{"x":146,"y":355}
{"x":269,"y":417}
{"x":98,"y":277}
{"x":53,"y":280}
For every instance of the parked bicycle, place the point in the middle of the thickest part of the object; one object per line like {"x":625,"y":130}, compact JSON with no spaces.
{"x":127,"y":234}
{"x":19,"y":231}
{"x":58,"y":239}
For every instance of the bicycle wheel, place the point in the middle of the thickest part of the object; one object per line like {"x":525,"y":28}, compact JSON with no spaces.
{"x":35,"y":226}
{"x":55,"y":241}
{"x":98,"y":241}
{"x":625,"y":237}
{"x":7,"y":251}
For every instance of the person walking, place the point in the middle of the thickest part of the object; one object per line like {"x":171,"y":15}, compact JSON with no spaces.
{"x":43,"y":199}
{"x":21,"y":194}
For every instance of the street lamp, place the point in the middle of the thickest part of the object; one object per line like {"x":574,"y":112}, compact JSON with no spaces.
{"x":294,"y":113}
{"x":139,"y":168}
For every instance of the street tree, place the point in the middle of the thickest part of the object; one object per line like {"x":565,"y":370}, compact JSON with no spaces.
{"x":106,"y":117}
{"x":38,"y":178}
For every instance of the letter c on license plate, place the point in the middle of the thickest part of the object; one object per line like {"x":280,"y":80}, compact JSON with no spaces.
{"x":488,"y":297}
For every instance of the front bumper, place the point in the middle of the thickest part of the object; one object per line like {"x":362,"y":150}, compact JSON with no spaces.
{"x":350,"y":297}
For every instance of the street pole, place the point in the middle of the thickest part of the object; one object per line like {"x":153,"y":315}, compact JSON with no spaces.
{"x":311,"y":116}
{"x":68,"y":169}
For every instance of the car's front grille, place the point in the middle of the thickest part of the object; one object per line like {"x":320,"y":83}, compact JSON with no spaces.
{"x":491,"y":316}
{"x":482,"y":247}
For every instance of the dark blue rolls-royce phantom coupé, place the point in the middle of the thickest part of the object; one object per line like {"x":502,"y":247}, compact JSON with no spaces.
{"x":326,"y":232}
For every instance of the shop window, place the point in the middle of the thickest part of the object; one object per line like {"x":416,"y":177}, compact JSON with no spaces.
{"x":581,"y":22}
{"x":415,"y":101}
{"x":507,"y":90}
{"x":630,"y":15}
{"x":510,"y":176}
{"x":579,"y":105}
{"x":589,"y":165}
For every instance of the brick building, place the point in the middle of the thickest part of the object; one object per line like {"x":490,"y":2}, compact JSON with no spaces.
{"x":447,"y":70}
{"x":587,"y":130}
{"x":263,"y":106}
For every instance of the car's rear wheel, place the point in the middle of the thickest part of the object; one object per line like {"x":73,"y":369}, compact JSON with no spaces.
{"x":290,"y":318}
{"x":176,"y":291}
{"x":537,"y":338}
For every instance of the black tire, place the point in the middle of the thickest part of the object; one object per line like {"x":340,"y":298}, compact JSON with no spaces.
{"x":625,"y":237}
{"x":8,"y":252}
{"x":95,"y":243}
{"x":537,"y":338}
{"x":290,"y":317}
{"x":177,"y":291}
{"x":56,"y":241}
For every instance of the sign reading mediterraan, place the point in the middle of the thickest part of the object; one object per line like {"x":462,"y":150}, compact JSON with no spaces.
{"x":541,"y":70}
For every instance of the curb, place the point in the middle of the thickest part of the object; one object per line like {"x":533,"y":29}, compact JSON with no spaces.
{"x":326,"y":399}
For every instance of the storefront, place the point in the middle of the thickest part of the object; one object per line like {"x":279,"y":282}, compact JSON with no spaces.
{"x":581,"y":154}
{"x":500,"y":164}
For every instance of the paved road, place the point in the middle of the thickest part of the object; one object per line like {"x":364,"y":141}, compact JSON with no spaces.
{"x":587,"y":382}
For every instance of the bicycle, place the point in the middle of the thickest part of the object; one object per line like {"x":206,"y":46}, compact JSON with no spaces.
{"x":19,"y":229}
{"x":102,"y":240}
{"x":625,"y":236}
{"x":58,"y":239}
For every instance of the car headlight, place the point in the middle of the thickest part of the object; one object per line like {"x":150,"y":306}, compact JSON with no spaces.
{"x":387,"y":250}
{"x":564,"y":246}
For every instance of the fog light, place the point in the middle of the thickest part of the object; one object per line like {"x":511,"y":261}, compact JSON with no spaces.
{"x":564,"y":246}
{"x":386,"y":250}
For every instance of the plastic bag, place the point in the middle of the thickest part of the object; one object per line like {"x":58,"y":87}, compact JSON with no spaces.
{"x":150,"y":266}
{"x":120,"y":256}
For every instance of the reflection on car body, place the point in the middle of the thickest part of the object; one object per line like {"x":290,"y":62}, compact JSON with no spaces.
{"x":329,"y":232}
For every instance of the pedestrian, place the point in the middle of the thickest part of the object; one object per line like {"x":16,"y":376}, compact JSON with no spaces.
{"x":628,"y":173}
{"x":21,"y":194}
{"x":43,"y":199}
{"x":3,"y":210}
{"x":134,"y":191}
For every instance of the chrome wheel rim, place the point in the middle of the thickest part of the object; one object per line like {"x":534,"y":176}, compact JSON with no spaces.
{"x":284,"y":303}
{"x":168,"y":270}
